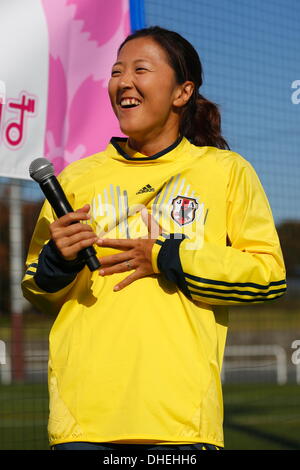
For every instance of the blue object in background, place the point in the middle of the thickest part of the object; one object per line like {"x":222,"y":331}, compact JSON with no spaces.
{"x":137,"y":14}
{"x":250,"y":56}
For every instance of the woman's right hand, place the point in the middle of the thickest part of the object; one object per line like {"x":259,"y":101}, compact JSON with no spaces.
{"x":70,"y":237}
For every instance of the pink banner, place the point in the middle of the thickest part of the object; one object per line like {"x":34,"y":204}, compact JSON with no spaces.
{"x":83,"y":40}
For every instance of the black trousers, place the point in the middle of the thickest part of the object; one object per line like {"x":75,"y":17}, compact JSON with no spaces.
{"x":146,"y":447}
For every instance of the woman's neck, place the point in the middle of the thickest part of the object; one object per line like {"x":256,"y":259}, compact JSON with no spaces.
{"x":152,"y":146}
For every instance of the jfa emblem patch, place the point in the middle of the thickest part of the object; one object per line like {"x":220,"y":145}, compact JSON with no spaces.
{"x":183,"y":210}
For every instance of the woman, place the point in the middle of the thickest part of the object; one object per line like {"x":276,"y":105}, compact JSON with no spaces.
{"x":136,"y":358}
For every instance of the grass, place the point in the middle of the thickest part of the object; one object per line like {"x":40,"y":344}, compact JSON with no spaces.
{"x":23,"y":417}
{"x":263,"y":416}
{"x":257,"y":416}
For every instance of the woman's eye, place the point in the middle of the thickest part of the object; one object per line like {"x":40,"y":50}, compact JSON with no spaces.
{"x":117,"y":72}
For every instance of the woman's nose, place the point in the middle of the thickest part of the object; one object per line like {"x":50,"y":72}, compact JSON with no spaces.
{"x":125,"y":84}
{"x":126,"y":80}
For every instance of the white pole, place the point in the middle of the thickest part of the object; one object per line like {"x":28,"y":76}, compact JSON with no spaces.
{"x":16,"y":271}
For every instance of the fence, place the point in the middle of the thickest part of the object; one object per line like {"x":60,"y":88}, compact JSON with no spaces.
{"x":249,"y":51}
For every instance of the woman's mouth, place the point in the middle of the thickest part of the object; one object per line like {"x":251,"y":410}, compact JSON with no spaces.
{"x":127,"y":103}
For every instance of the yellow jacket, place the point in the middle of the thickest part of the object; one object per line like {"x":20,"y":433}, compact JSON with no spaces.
{"x":143,"y":364}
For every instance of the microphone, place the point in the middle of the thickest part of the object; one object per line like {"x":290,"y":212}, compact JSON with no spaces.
{"x":42,"y":171}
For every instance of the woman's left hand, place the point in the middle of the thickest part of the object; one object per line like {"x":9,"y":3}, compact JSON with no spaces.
{"x":136,"y":254}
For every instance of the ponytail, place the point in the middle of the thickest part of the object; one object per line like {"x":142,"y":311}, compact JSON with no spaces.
{"x":201,"y":123}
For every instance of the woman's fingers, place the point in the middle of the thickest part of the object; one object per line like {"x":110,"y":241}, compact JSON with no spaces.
{"x":136,"y":256}
{"x":70,"y":230}
{"x":67,"y":242}
{"x":70,"y":236}
{"x":118,"y":268}
{"x":114,"y":259}
{"x":70,"y":252}
{"x":128,"y":280}
{"x":119,"y":243}
{"x":84,"y":208}
{"x":70,"y":218}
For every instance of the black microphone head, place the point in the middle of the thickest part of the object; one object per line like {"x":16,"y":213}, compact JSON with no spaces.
{"x":41,"y":169}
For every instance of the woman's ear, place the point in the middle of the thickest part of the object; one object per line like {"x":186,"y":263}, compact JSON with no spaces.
{"x":183,"y":94}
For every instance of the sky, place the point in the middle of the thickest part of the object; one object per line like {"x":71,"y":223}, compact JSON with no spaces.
{"x":250,"y":52}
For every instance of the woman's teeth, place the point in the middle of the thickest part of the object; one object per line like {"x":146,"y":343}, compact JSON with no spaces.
{"x":129,"y":102}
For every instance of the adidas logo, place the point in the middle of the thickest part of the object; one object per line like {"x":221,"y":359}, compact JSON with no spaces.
{"x":146,"y":189}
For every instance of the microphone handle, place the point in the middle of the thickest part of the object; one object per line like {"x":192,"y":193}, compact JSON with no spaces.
{"x":57,"y":199}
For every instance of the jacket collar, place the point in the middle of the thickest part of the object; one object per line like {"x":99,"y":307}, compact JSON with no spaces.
{"x":123,"y":152}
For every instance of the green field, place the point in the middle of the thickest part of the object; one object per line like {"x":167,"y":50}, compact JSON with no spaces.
{"x":256,"y":417}
{"x":262,"y":416}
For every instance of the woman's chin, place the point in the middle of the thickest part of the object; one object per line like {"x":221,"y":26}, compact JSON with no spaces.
{"x":132,"y":133}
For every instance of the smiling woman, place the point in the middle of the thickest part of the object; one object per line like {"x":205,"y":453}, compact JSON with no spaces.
{"x":170,"y":67}
{"x":135,"y":358}
{"x":146,"y":85}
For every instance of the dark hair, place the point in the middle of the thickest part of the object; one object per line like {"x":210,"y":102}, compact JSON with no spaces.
{"x":200,"y":120}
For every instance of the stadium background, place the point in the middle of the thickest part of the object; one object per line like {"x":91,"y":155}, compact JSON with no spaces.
{"x":250,"y":56}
